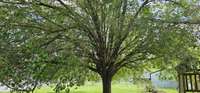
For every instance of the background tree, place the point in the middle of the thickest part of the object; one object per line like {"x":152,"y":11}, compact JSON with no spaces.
{"x":27,"y":62}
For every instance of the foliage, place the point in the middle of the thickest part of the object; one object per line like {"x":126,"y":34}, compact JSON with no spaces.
{"x":106,"y":36}
{"x":25,"y":66}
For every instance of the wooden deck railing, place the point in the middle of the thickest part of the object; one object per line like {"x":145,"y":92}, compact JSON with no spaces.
{"x":189,"y":82}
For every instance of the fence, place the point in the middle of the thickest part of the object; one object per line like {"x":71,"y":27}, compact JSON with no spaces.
{"x":189,"y":82}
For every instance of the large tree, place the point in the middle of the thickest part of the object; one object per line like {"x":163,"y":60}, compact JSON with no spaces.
{"x":107,"y":34}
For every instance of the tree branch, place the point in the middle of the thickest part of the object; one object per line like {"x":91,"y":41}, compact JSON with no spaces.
{"x":129,"y":27}
{"x":50,"y":41}
{"x":93,"y":69}
{"x":62,"y":3}
{"x":174,"y":22}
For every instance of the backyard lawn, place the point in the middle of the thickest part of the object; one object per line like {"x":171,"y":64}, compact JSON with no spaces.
{"x":116,"y":88}
{"x":96,"y":88}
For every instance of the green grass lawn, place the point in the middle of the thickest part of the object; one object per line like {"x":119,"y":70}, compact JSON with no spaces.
{"x":116,"y":88}
{"x":96,"y":88}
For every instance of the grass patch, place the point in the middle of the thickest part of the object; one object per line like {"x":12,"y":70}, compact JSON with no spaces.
{"x":97,"y":88}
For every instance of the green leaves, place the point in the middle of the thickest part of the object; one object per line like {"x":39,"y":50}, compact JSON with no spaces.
{"x":54,"y":41}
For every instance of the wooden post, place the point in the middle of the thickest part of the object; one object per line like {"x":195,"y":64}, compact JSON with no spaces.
{"x":196,"y":85}
{"x":184,"y":84}
{"x":181,"y":85}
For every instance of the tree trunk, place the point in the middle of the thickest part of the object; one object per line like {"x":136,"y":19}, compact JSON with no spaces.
{"x":106,"y":82}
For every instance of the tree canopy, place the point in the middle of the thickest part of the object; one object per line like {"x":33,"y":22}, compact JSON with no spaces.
{"x":101,"y":35}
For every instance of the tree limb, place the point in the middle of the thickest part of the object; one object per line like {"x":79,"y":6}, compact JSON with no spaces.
{"x":174,"y":22}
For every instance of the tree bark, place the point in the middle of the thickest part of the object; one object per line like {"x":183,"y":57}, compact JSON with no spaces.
{"x":106,"y":82}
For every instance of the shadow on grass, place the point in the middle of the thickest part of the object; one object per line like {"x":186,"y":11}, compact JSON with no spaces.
{"x":71,"y":92}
